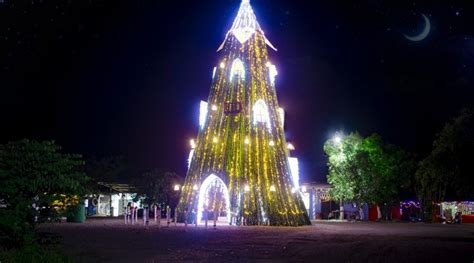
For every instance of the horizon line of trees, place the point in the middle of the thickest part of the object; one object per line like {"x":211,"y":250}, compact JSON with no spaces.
{"x":369,"y":170}
{"x":35,"y":175}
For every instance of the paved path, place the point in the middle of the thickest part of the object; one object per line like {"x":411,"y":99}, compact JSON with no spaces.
{"x":109,"y":240}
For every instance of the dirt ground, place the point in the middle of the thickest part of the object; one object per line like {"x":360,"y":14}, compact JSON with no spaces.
{"x":110,"y":240}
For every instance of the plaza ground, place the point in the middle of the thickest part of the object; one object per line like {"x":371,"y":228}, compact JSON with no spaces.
{"x":110,"y":240}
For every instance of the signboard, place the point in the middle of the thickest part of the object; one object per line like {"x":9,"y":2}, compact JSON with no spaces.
{"x":232,"y":108}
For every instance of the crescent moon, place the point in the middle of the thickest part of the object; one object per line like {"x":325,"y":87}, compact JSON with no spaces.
{"x":423,"y":34}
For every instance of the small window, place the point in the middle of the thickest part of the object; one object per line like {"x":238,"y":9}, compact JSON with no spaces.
{"x":237,"y":69}
{"x":260,"y":113}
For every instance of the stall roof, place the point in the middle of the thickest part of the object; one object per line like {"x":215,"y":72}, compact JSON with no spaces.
{"x":119,"y":188}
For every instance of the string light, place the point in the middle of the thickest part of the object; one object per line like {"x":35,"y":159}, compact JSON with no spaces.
{"x":295,"y":171}
{"x":190,"y":157}
{"x":223,"y":134}
{"x":246,"y":188}
{"x":192,"y":143}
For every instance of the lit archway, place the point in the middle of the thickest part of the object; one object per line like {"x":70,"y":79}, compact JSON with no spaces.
{"x":212,"y":182}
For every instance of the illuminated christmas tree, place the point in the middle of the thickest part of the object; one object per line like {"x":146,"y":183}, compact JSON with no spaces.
{"x":239,"y":165}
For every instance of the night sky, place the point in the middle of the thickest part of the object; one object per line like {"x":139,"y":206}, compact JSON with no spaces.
{"x":113,"y":77}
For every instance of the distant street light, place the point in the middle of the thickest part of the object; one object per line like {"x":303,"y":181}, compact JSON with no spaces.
{"x":272,"y":188}
{"x":176,"y":187}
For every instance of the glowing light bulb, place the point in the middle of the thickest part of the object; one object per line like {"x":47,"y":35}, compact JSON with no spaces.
{"x":222,"y":65}
{"x":214,"y":140}
{"x":246,"y":141}
{"x":290,"y":147}
{"x":271,"y":143}
{"x":195,"y":187}
{"x":176,"y":187}
{"x":246,"y":188}
{"x":268,"y":64}
{"x":214,"y":107}
{"x":272,"y":188}
{"x":192,"y":143}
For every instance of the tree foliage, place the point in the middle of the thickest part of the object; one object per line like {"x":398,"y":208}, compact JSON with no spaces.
{"x":33,"y":174}
{"x":107,"y":170}
{"x":367,"y":169}
{"x":447,"y":172}
{"x":157,"y":186}
{"x":342,"y":169}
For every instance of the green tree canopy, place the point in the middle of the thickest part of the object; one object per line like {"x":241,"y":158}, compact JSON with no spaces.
{"x":342,"y":165}
{"x":448,"y":171}
{"x":34,"y":173}
{"x":367,"y":169}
